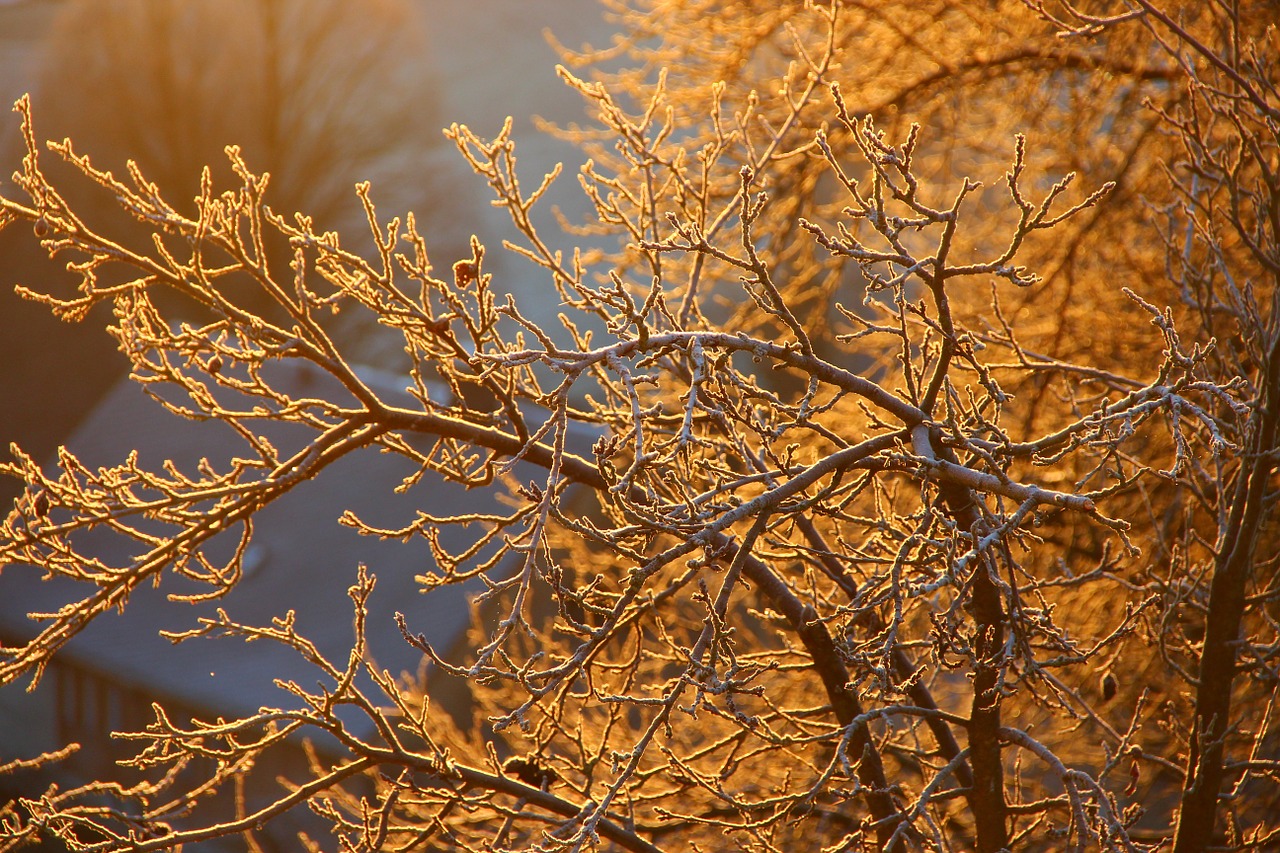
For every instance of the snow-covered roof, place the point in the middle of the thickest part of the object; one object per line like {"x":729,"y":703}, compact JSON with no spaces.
{"x":301,"y":560}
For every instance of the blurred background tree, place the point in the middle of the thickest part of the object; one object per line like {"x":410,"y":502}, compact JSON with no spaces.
{"x":319,"y":94}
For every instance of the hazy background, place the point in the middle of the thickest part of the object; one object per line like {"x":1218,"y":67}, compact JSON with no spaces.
{"x":321,"y":94}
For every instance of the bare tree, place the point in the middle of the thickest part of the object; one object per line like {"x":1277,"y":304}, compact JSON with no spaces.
{"x":933,"y":500}
{"x":320,"y":94}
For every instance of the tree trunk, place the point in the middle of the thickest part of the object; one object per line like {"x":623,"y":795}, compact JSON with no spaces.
{"x":1212,"y":724}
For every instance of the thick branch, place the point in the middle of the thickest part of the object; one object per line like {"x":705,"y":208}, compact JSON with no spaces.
{"x":1238,"y":544}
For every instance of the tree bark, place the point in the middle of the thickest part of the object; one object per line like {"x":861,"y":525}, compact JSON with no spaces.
{"x":990,"y":811}
{"x":1237,"y":545}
